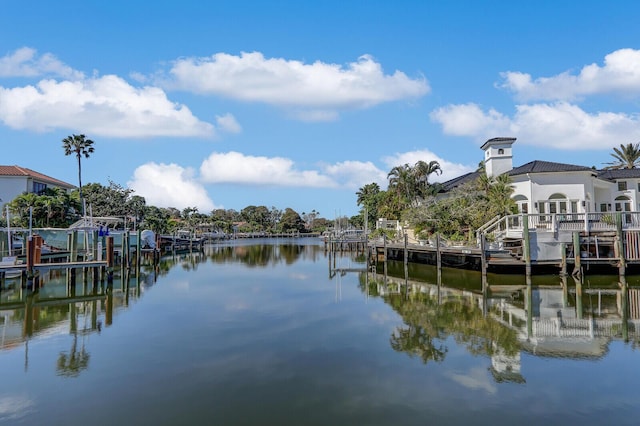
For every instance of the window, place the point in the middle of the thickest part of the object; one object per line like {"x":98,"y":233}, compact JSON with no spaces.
{"x":622,"y":185}
{"x":39,"y":187}
{"x":603,"y":207}
{"x":500,"y":151}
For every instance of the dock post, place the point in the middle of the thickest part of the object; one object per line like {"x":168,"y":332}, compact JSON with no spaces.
{"x":94,"y":246}
{"x":31,"y":251}
{"x":406,"y":252}
{"x":579,"y":306}
{"x":622,"y":263}
{"x":624,"y":306}
{"x":384,"y":244}
{"x":73,"y":248}
{"x":110,"y":260}
{"x":406,"y":260}
{"x":438,"y":254}
{"x":138,"y":247}
{"x":526,"y":249}
{"x":483,"y":256}
{"x":576,"y":254}
{"x":529,"y":300}
{"x":563,"y":265}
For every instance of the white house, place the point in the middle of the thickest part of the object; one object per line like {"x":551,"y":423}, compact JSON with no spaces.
{"x":543,"y":187}
{"x":15,"y":180}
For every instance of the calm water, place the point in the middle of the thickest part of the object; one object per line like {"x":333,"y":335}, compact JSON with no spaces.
{"x":278,"y":333}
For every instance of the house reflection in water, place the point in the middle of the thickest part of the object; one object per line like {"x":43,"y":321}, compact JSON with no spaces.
{"x":562,"y":321}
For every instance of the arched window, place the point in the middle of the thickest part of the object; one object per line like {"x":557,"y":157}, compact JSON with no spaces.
{"x":500,"y":151}
{"x":522,"y":202}
{"x":558,"y":203}
{"x":623,"y":204}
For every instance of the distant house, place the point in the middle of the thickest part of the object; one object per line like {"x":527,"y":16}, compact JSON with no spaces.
{"x":15,"y":180}
{"x":543,"y":187}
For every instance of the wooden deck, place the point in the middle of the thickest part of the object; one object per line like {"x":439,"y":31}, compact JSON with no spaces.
{"x":22,"y":267}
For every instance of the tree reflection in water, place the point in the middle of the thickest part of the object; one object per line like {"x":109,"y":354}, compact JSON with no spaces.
{"x":71,"y":364}
{"x":429,"y":322}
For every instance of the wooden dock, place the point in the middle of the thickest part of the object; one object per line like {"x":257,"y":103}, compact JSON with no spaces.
{"x":494,"y":260}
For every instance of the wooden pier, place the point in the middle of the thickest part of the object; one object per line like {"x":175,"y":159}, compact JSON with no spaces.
{"x":29,"y":265}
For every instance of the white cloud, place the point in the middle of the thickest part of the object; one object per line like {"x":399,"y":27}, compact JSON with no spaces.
{"x":14,"y":407}
{"x":234,"y":167}
{"x":102,"y":106}
{"x":25,"y":62}
{"x":475,"y":378}
{"x":238,"y":168}
{"x":469,"y":120}
{"x":170,"y":185}
{"x":620,"y":74}
{"x":313,"y":91}
{"x":449,"y":170}
{"x":560,"y":125}
{"x":228,"y":123}
{"x":354,"y":174}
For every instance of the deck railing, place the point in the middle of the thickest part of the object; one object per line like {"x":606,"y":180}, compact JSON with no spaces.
{"x":513,"y":225}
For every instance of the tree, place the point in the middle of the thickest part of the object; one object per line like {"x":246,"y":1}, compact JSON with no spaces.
{"x":422,"y":170}
{"x":291,"y":221}
{"x":368,"y":198}
{"x":80,"y":146}
{"x":107,"y":200}
{"x":402,"y":184}
{"x":626,"y":157}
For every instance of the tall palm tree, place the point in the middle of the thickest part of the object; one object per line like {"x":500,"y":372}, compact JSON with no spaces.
{"x":626,"y":157}
{"x":80,"y":146}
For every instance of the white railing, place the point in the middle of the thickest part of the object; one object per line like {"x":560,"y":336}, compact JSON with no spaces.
{"x":554,"y":222}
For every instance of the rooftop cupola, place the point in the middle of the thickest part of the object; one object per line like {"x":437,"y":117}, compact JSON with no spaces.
{"x":498,"y":157}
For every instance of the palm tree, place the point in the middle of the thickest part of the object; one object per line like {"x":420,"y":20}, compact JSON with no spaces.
{"x":366,"y":193}
{"x":422,"y":170}
{"x":626,"y":157}
{"x":402,"y":184}
{"x":499,"y":194}
{"x":78,"y":145}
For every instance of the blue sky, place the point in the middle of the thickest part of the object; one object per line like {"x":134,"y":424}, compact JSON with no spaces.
{"x":298,"y":104}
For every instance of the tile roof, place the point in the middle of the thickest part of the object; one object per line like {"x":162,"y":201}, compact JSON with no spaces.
{"x":497,"y":140}
{"x":455,"y":182}
{"x":613,"y":174}
{"x":25,"y":172}
{"x":547,"y":167}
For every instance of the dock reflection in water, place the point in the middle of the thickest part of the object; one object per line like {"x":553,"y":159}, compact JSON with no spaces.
{"x":281,"y":332}
{"x":502,"y":321}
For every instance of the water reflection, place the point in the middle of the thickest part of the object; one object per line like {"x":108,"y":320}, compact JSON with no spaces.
{"x":78,"y":303}
{"x":558,"y":317}
{"x":66,"y":301}
{"x":262,"y":253}
{"x":318,"y":339}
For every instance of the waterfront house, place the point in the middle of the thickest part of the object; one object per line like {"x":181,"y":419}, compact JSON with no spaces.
{"x":15,"y":180}
{"x":565,"y":205}
{"x":548,"y":188}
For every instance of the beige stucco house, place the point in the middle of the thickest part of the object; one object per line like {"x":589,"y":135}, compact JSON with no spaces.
{"x":15,"y":180}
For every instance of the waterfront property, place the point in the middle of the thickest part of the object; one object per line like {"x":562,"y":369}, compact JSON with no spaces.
{"x":15,"y":180}
{"x":569,"y":244}
{"x":568,"y":215}
{"x":548,"y":188}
